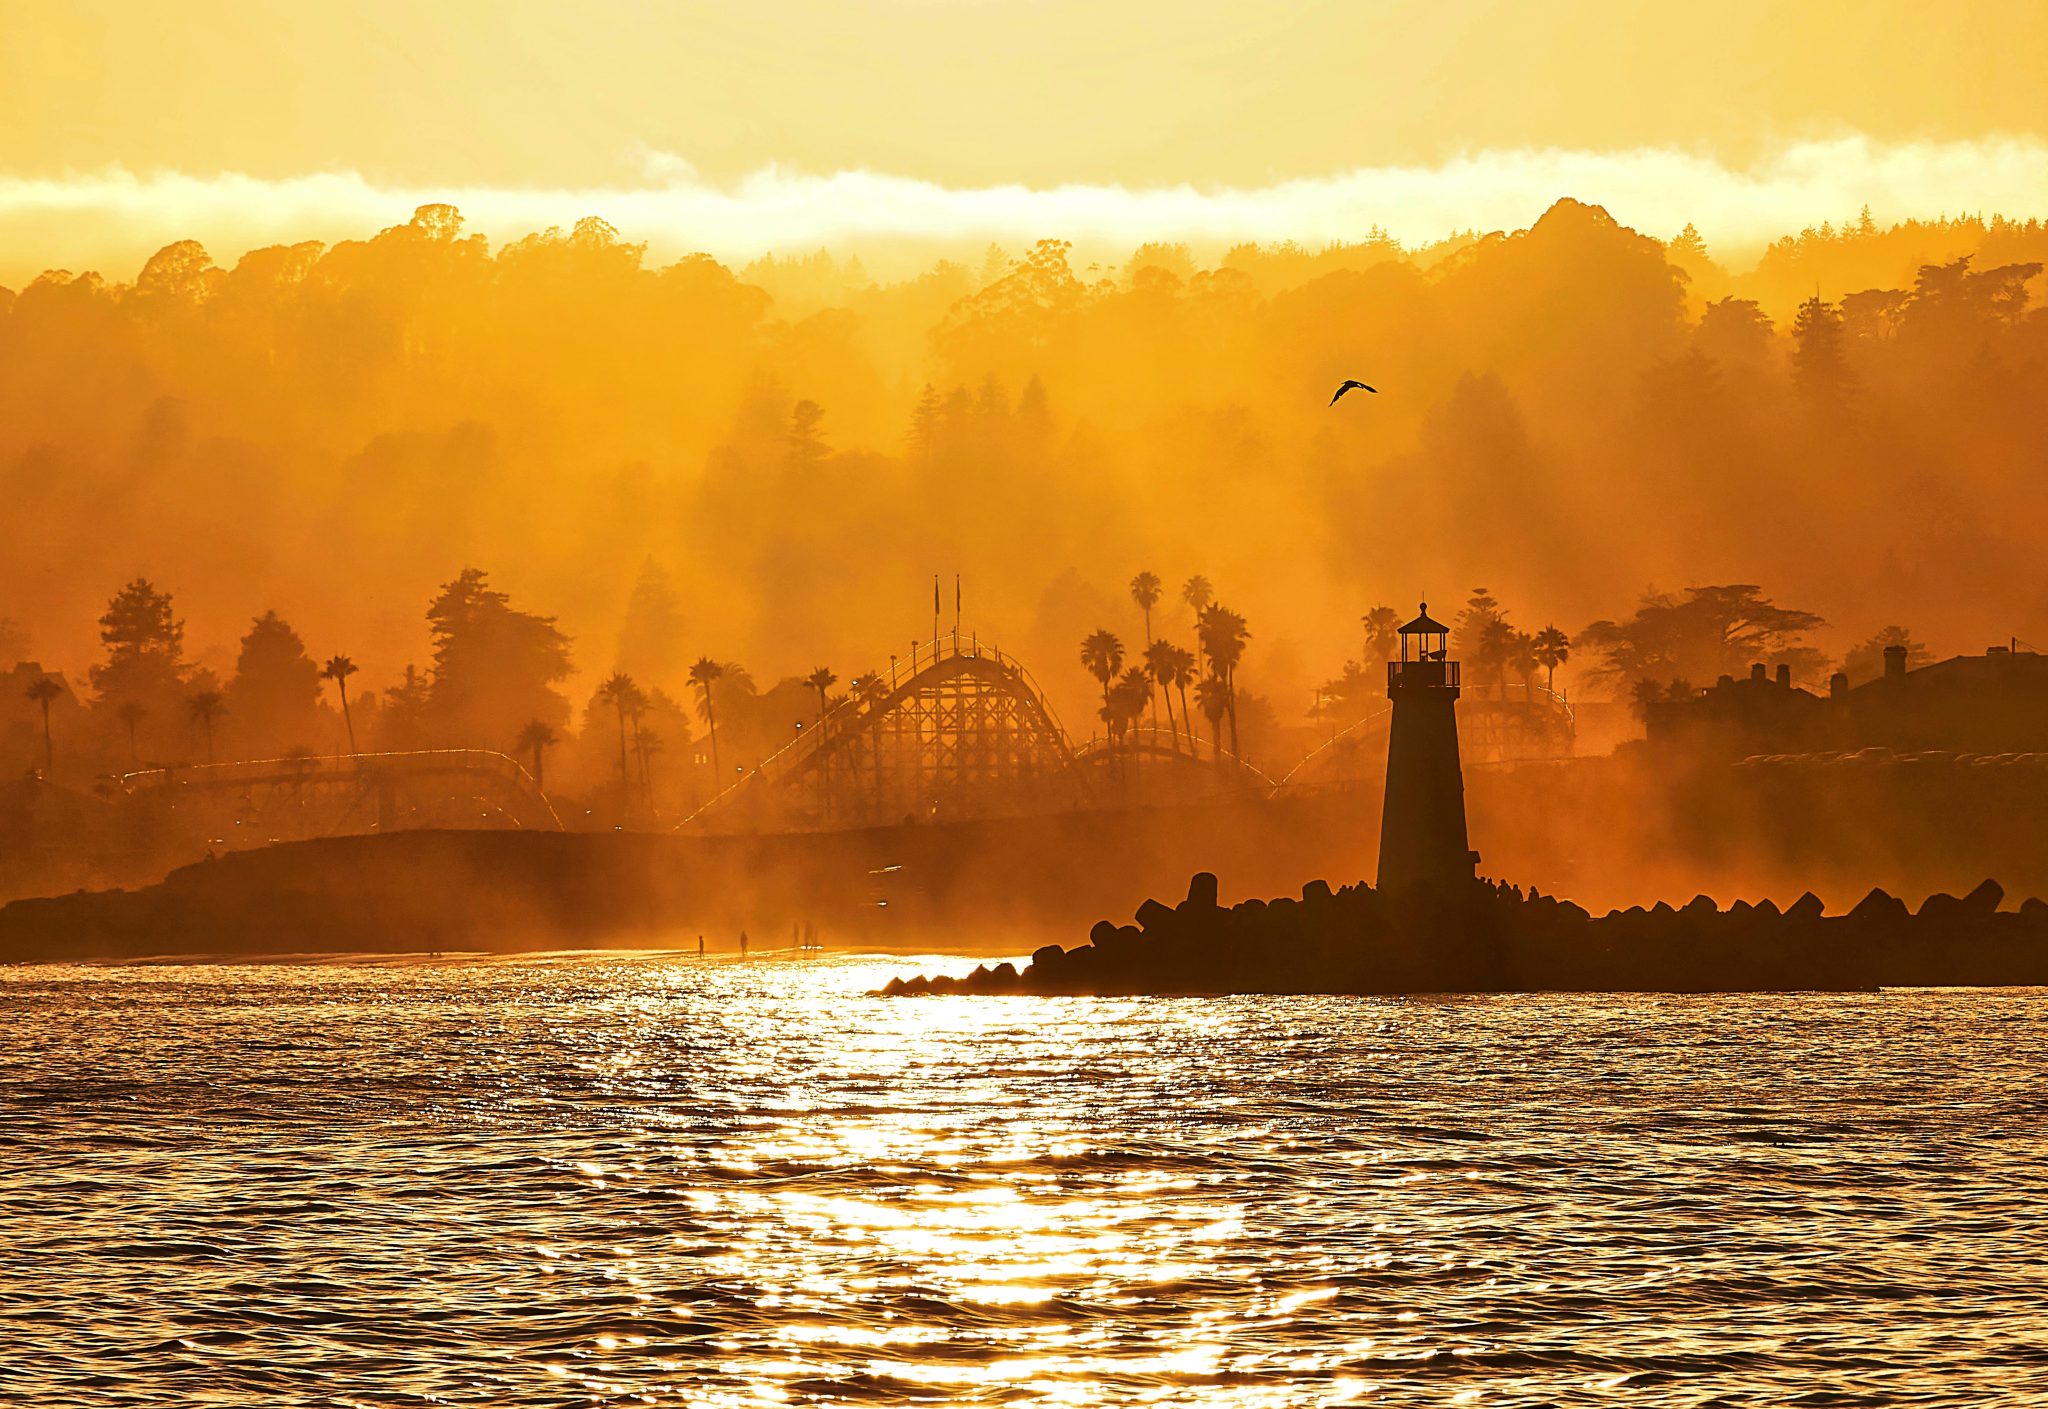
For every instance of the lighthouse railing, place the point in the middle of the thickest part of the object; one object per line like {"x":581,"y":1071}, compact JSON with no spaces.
{"x":1422,"y":674}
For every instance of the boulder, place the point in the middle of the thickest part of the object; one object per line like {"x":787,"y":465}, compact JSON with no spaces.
{"x":1940,"y":908}
{"x":1152,"y":916}
{"x":1806,"y":907}
{"x":1202,"y":889}
{"x":1985,"y":899}
{"x":1879,"y":907}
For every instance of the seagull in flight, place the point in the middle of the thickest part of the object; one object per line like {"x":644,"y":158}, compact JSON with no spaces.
{"x":1352,"y":384}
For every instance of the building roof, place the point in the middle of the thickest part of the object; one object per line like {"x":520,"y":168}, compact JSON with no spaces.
{"x":1424,"y":625}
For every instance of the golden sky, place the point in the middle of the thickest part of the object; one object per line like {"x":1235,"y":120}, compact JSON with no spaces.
{"x":514,"y":100}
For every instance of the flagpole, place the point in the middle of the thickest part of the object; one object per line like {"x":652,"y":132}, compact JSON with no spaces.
{"x":956,"y":608}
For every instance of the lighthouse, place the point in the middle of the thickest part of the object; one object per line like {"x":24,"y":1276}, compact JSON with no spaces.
{"x":1422,"y":824}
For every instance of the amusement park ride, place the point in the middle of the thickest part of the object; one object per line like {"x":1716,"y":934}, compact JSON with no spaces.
{"x":959,"y":731}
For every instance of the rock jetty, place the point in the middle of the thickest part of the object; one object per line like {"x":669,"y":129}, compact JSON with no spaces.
{"x":1487,"y":937}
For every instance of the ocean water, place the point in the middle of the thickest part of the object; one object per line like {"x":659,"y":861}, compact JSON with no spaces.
{"x":639,"y":1179}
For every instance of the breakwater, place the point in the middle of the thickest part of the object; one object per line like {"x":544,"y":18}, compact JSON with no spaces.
{"x":1489,"y":937}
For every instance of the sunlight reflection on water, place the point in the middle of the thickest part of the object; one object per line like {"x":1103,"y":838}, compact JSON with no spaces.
{"x":650,"y":1179}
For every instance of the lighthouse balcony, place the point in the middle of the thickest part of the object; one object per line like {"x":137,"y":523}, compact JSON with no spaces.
{"x":1422,"y":675}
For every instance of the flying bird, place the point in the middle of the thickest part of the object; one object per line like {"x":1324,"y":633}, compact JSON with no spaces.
{"x":1352,"y":385}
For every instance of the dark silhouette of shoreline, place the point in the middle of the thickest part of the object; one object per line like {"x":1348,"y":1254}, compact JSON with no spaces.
{"x":1483,"y":937}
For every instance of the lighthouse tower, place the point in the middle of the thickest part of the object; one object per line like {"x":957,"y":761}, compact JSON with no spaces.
{"x":1422,"y":827}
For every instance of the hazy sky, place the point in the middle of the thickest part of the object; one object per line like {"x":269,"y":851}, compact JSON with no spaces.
{"x":517,"y":100}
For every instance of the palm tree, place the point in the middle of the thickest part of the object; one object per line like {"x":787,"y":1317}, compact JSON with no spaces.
{"x":870,"y":690}
{"x":1382,"y":633}
{"x":131,"y":714}
{"x":1145,"y":592}
{"x":1223,"y":634}
{"x":1495,"y":652}
{"x":619,"y":691}
{"x":205,"y":707}
{"x":1183,"y":676}
{"x":1213,"y":696}
{"x":704,"y":674}
{"x":1159,"y":664}
{"x":649,"y":744}
{"x":1131,"y":695}
{"x":42,"y":690}
{"x":1102,"y":656}
{"x":1197,"y":593}
{"x":1553,"y":648}
{"x":537,"y":738}
{"x":1521,"y":658}
{"x":821,"y":680}
{"x":338,"y":669}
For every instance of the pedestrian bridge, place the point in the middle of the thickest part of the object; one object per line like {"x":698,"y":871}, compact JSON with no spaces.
{"x":308,"y":795}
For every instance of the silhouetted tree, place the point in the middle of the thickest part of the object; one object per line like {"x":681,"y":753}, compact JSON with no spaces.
{"x":43,"y":690}
{"x":619,"y":691}
{"x":1145,"y":592}
{"x":1223,"y":634}
{"x":704,"y":674}
{"x":338,"y":669}
{"x":495,"y":667}
{"x":1707,"y":633}
{"x":1477,"y":634}
{"x":1127,"y":701}
{"x":1196,"y":594}
{"x":1819,"y":365}
{"x":204,"y":708}
{"x":1382,"y":633}
{"x":1183,"y":675}
{"x":1102,"y":656}
{"x":821,"y":680}
{"x":1159,"y":659}
{"x":535,"y":740}
{"x":132,"y":714}
{"x":1212,"y":696}
{"x":145,"y":664}
{"x":274,"y":696}
{"x":1552,"y":649}
{"x":402,"y":723}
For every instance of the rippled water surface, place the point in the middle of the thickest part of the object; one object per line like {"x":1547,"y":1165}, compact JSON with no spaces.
{"x":636,"y":1179}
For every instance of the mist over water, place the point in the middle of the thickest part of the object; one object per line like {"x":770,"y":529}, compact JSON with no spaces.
{"x":649,"y":1179}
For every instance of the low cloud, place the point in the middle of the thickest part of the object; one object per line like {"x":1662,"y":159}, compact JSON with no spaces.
{"x":112,"y":219}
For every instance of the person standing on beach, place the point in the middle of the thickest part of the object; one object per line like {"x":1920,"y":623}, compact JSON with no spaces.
{"x":743,"y":941}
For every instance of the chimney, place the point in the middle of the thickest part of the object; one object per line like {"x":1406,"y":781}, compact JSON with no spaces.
{"x":1784,"y":676}
{"x":1838,"y":685}
{"x":1895,"y":662}
{"x":1756,"y":672}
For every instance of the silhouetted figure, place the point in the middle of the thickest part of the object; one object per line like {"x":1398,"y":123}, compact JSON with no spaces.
{"x":743,"y":941}
{"x":1352,"y":384}
{"x":700,"y":946}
